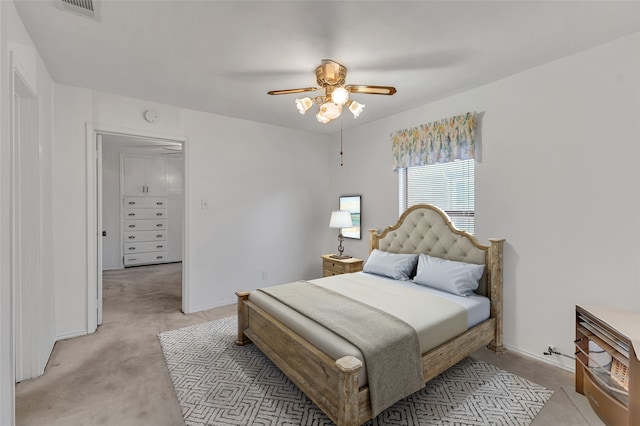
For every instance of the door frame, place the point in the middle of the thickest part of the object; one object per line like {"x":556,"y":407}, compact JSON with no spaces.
{"x":94,"y":235}
{"x":25,"y":312}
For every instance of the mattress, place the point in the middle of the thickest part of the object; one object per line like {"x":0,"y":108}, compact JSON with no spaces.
{"x":404,"y":299}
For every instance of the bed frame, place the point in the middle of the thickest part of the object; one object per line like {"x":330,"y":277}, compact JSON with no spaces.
{"x":333,"y":384}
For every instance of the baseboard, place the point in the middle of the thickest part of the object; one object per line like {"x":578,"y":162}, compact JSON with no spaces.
{"x":71,"y":335}
{"x":549,"y":359}
{"x":215,"y":305}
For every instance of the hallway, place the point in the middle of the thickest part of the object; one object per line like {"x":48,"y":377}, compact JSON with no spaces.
{"x":116,"y":376}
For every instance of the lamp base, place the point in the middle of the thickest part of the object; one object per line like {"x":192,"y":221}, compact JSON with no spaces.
{"x":337,"y":256}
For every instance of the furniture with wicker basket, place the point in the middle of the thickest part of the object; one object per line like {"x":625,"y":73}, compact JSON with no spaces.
{"x":613,"y":392}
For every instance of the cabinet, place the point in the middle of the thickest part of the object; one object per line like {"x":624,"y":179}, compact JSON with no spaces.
{"x":613,"y":390}
{"x":144,"y":211}
{"x":332,"y":266}
{"x":145,"y":176}
{"x":144,"y":236}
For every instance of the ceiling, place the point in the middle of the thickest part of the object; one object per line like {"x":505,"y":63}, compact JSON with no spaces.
{"x":223,"y":56}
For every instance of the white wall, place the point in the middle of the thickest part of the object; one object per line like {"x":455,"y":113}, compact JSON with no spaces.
{"x":15,"y":39}
{"x":557,"y":175}
{"x":266,"y":187}
{"x":72,"y":109}
{"x":7,"y":389}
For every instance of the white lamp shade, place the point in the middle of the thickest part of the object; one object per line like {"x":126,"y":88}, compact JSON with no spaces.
{"x":330,"y":110}
{"x":303,"y":104}
{"x":356,"y":108}
{"x":322,"y":119}
{"x":340,"y":219}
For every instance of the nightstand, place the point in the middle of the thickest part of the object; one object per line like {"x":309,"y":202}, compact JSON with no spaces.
{"x":331,"y":266}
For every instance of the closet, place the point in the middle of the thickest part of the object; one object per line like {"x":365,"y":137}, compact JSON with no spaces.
{"x":144,"y":210}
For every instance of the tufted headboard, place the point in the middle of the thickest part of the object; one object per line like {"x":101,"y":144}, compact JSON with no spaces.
{"x":427,"y":229}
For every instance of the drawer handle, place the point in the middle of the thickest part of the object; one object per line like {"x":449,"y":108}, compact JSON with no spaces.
{"x":132,"y":248}
{"x":131,"y":237}
{"x":159,"y":246}
{"x":132,"y":226}
{"x":159,"y":225}
{"x":158,"y":257}
{"x":132,"y":203}
{"x":159,"y":236}
{"x":159,"y":203}
{"x":132,"y":259}
{"x":158,"y":214}
{"x":132,"y":214}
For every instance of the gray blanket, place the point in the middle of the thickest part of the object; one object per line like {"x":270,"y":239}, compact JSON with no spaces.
{"x":389,"y":345}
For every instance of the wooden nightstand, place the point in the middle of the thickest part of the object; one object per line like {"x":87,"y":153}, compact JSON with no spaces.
{"x":331,"y":266}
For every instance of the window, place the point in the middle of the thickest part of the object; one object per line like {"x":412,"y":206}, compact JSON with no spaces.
{"x":449,"y":186}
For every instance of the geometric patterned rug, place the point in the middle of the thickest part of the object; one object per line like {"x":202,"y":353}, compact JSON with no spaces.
{"x":219,"y":383}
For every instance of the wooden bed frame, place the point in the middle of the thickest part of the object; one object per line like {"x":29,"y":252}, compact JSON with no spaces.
{"x":333,"y":384}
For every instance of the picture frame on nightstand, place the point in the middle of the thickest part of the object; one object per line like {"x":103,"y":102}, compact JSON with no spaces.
{"x":352,"y":203}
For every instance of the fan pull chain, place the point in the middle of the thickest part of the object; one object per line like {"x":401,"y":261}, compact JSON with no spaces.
{"x":341,"y":142}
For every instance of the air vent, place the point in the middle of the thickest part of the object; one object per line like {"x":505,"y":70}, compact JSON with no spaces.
{"x":86,"y":8}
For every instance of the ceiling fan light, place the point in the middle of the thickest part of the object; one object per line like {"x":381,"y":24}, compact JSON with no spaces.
{"x":339,"y":96}
{"x":356,"y":108}
{"x":330,"y":110}
{"x":303,"y":104}
{"x":322,"y":119}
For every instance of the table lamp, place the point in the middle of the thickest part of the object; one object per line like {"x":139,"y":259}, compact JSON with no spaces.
{"x":340,"y":219}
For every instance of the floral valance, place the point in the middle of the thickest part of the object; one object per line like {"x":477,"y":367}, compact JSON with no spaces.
{"x":437,"y":142}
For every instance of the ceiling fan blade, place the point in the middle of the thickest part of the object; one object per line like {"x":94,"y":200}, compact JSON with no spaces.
{"x":371,"y":90}
{"x":288,"y":91}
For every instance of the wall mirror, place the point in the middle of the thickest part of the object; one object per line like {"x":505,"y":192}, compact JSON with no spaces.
{"x":351,"y":203}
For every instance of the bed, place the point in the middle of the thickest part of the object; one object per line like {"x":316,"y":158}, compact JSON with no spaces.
{"x":339,"y":385}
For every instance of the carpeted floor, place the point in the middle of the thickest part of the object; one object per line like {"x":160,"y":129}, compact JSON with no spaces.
{"x":219,"y":383}
{"x":118,"y":376}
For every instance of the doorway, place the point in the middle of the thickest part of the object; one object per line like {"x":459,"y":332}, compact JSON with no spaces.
{"x":140,"y":206}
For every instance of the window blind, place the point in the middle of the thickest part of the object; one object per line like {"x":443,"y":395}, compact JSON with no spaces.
{"x":450,"y":186}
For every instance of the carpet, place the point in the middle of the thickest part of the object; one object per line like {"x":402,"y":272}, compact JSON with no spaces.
{"x":219,"y":383}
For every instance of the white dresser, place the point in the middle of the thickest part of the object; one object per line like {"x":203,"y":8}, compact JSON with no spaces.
{"x":144,"y":211}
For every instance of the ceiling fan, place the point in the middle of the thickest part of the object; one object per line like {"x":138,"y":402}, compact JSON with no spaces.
{"x":331,"y":76}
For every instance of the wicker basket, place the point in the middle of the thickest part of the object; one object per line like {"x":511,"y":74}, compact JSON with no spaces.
{"x":620,"y":374}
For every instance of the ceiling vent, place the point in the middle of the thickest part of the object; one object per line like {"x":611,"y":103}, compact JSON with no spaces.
{"x":86,"y":8}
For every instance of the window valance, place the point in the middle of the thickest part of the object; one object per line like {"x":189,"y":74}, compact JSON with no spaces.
{"x":441,"y":141}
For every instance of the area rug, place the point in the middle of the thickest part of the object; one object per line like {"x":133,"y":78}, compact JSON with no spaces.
{"x":219,"y":383}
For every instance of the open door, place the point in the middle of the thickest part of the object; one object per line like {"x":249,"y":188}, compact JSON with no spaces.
{"x":100,"y":232}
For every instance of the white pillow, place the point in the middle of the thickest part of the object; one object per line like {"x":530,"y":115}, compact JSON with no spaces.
{"x":393,"y":265}
{"x":447,"y":275}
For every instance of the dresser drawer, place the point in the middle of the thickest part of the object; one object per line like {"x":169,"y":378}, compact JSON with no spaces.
{"x":144,"y":258}
{"x":145,"y":213}
{"x":145,"y":202}
{"x":337,"y":267}
{"x":144,"y":224}
{"x":331,"y":266}
{"x":145,"y":247}
{"x":135,"y":236}
{"x":329,"y":273}
{"x":608,"y":408}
